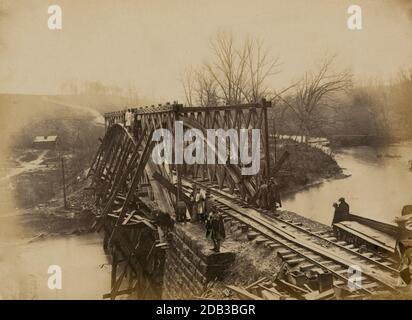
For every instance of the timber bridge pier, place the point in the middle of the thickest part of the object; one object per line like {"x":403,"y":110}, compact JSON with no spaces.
{"x":154,"y":256}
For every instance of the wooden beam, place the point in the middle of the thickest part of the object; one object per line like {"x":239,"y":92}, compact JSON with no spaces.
{"x":243,"y":293}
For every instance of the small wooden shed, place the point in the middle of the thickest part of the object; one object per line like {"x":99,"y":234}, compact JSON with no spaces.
{"x":45,"y":142}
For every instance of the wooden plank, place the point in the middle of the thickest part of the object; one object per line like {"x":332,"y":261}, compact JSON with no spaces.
{"x":306,"y":267}
{"x":315,"y":295}
{"x":271,"y":289}
{"x":130,"y":215}
{"x":292,"y":286}
{"x":269,"y":295}
{"x":255,"y":283}
{"x":242,"y":292}
{"x":385,"y":227}
{"x":370,"y":285}
{"x":294,"y":262}
{"x":368,"y":234}
{"x":119,"y":293}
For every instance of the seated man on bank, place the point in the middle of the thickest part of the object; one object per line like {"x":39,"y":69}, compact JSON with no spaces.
{"x":344,"y":208}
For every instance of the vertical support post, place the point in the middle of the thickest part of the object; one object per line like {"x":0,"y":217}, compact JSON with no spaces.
{"x":266,"y":105}
{"x":176,"y":108}
{"x":64,"y":182}
{"x":114,"y":267}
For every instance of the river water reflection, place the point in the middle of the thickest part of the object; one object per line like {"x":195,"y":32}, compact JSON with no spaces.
{"x":24,"y":268}
{"x":379,"y":186}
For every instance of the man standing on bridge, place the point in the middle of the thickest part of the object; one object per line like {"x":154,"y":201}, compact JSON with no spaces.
{"x":216,"y":229}
{"x":128,"y":117}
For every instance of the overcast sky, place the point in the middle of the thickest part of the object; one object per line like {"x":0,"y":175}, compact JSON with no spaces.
{"x":148,"y":43}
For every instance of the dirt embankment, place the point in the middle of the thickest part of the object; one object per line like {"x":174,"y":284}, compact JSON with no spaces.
{"x":306,"y":165}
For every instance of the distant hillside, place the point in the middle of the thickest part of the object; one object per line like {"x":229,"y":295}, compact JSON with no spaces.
{"x":74,"y":119}
{"x":22,"y":117}
{"x":101,"y":103}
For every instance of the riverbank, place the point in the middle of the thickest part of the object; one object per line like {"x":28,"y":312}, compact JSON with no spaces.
{"x":306,"y":166}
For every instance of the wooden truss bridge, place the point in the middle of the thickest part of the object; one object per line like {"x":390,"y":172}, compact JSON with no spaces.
{"x":137,"y":200}
{"x":130,"y":188}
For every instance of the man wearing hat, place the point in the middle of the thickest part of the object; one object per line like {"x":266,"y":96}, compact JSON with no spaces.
{"x":215,"y":229}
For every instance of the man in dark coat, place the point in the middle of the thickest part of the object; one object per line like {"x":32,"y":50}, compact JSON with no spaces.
{"x":274,"y":200}
{"x":337,"y":216}
{"x":343,"y":208}
{"x":216,"y":229}
{"x":263,"y":196}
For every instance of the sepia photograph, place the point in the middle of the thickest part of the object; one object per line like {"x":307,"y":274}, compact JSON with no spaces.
{"x":205,"y":150}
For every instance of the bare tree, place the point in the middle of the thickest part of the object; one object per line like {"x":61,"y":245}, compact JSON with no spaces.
{"x":188,"y":84}
{"x":228,"y":68}
{"x":313,"y":102}
{"x":260,"y":68}
{"x":236,"y":74}
{"x":199,"y":87}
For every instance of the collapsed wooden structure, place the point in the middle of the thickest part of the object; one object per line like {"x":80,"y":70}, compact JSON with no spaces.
{"x":133,"y":194}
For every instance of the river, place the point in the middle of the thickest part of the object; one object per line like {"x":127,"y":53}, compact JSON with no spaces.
{"x":85,"y":273}
{"x":379,"y":185}
{"x":24,"y":263}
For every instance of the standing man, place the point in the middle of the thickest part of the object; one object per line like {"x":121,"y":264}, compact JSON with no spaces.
{"x":181,"y":211}
{"x":263,"y":196}
{"x":216,"y":228}
{"x":194,"y":198}
{"x":199,"y":200}
{"x":132,"y":122}
{"x":337,"y":216}
{"x":207,"y":203}
{"x":274,"y":201}
{"x":128,"y":119}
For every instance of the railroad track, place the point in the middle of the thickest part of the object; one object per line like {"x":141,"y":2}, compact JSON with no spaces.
{"x":300,"y":246}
